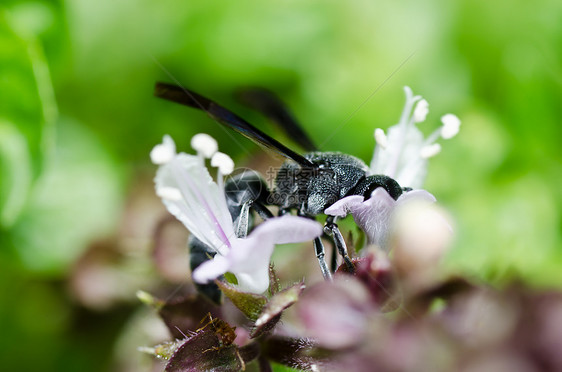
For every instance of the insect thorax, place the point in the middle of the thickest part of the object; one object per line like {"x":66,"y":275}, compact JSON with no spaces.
{"x":311,"y":190}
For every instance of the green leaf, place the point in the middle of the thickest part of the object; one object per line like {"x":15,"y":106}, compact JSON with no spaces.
{"x":15,"y":173}
{"x":29,"y":106}
{"x":164,"y":350}
{"x":250,"y":304}
{"x":76,"y":200}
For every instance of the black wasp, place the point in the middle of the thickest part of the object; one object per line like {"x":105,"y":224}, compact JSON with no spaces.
{"x":307,"y":183}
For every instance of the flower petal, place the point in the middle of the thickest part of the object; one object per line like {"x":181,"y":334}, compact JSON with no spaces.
{"x":249,"y":258}
{"x":288,"y":229}
{"x":202,"y":207}
{"x":344,"y":206}
{"x":420,"y":195}
{"x":256,"y":281}
{"x":400,"y":158}
{"x":210,"y":270}
{"x":373,"y":216}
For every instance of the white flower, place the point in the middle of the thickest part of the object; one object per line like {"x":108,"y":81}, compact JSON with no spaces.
{"x":374,"y":215}
{"x":402,"y":154}
{"x":190,"y":194}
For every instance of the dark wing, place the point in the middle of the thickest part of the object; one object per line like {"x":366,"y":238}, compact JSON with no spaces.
{"x":269,"y":104}
{"x":226,"y":117}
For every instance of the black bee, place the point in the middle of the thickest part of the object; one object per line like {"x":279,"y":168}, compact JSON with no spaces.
{"x":307,"y":183}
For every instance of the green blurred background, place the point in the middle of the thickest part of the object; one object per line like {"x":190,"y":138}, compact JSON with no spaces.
{"x":78,"y":119}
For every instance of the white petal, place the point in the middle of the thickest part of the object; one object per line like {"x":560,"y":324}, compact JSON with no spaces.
{"x":210,"y":270}
{"x":451,"y":126}
{"x":373,"y":216}
{"x":400,"y":159}
{"x":418,"y":195}
{"x":249,"y":258}
{"x":254,"y":282}
{"x":164,"y":152}
{"x":344,"y":206}
{"x":288,"y":229}
{"x":204,"y":144}
{"x":202,"y":207}
{"x":223,"y":162}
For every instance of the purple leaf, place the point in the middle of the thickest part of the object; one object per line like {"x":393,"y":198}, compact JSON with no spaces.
{"x":274,"y":308}
{"x":297,"y":353}
{"x":205,"y":352}
{"x":184,"y":314}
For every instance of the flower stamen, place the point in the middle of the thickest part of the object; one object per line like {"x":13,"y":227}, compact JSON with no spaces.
{"x":204,"y":144}
{"x":451,"y":126}
{"x":164,"y":152}
{"x":380,"y":138}
{"x":430,"y":150}
{"x":421,"y":111}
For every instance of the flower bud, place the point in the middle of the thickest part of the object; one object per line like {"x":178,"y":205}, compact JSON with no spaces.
{"x":421,"y":235}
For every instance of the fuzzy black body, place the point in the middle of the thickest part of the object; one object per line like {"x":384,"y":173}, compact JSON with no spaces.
{"x":311,"y":190}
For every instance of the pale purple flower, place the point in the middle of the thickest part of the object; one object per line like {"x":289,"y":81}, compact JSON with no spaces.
{"x":374,"y":215}
{"x":190,"y":194}
{"x":403,"y":153}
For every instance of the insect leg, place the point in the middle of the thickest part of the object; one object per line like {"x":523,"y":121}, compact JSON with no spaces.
{"x":261,"y":209}
{"x":334,"y":259}
{"x":241,"y":225}
{"x":319,"y":247}
{"x":332,"y":229}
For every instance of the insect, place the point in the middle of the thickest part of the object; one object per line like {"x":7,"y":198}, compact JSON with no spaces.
{"x":307,"y":184}
{"x":223,"y":331}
